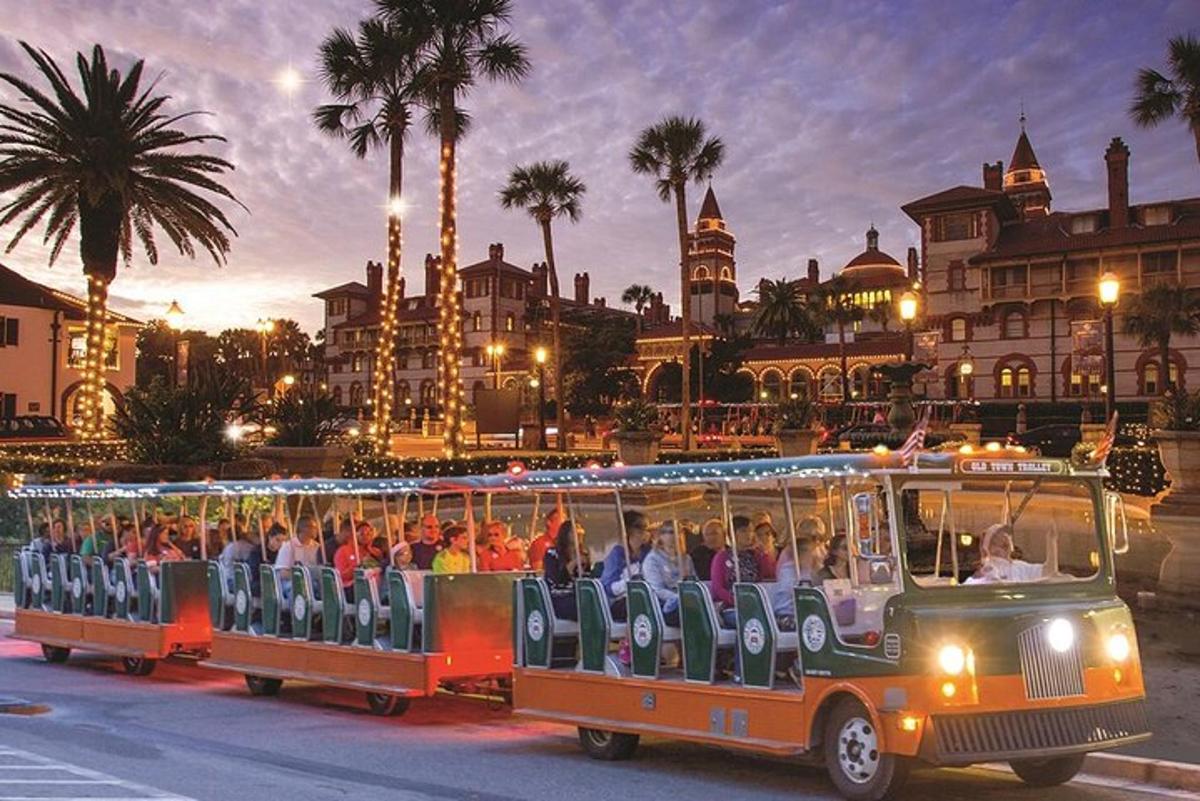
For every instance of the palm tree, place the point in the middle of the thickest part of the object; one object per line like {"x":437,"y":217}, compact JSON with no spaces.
{"x":882,"y":314}
{"x":724,"y":323}
{"x":1159,"y":98}
{"x":371,"y":77}
{"x":835,"y":306}
{"x":638,"y":296}
{"x":461,"y":41}
{"x":782,"y":310}
{"x":677,"y":150}
{"x":547,"y":189}
{"x":1156,"y":315}
{"x":109,"y":162}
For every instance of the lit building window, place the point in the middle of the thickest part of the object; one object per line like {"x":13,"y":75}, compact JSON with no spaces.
{"x":958,"y":329}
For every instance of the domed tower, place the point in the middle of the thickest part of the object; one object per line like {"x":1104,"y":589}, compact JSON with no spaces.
{"x":1025,"y":180}
{"x":713,"y":269}
{"x":875,"y":277}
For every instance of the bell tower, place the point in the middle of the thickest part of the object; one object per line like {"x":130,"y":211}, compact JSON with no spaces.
{"x":713,"y":269}
{"x":1025,"y":180}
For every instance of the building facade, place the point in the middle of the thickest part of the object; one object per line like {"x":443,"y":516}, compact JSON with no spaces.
{"x":42,"y":343}
{"x":502,"y":305}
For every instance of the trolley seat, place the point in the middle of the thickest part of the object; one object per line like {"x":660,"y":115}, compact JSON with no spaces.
{"x":704,"y":635}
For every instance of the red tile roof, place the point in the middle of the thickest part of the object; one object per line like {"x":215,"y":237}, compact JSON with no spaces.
{"x":1023,"y":157}
{"x":960,"y":197}
{"x":351,"y":288}
{"x":17,"y":290}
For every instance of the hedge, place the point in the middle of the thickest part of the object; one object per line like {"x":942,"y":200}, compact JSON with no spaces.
{"x":1136,"y":471}
{"x":391,"y":467}
{"x":59,"y":461}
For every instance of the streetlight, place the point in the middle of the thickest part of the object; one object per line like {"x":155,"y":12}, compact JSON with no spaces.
{"x":264,"y":327}
{"x":495,"y":352}
{"x":966,"y":370}
{"x":908,"y":313}
{"x":1110,"y":292}
{"x":174,"y":316}
{"x":539,"y":356}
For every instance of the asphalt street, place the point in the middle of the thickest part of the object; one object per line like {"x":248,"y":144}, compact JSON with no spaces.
{"x":188,"y":732}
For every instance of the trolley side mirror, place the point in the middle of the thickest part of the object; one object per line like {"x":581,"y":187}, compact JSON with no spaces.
{"x":1117,"y":522}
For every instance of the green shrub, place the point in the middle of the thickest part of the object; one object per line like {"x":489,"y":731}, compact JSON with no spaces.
{"x":635,"y":415}
{"x":304,"y":418}
{"x":798,"y":414}
{"x":1177,"y":411}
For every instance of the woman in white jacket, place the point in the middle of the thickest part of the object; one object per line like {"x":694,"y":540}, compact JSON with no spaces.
{"x":661,"y":570}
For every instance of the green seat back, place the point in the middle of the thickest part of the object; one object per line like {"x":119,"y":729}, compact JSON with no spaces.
{"x":302,"y":603}
{"x":243,"y":599}
{"x":400,"y":610}
{"x":21,"y":593}
{"x":537,"y":623}
{"x":123,"y":588}
{"x":698,"y":625}
{"x":58,"y":582}
{"x":645,"y":629}
{"x":78,"y":584}
{"x":168,"y":577}
{"x":217,"y":590}
{"x":366,"y":609}
{"x":595,"y":624}
{"x":333,"y":605}
{"x":40,"y":583}
{"x":100,"y":595}
{"x":757,"y":635}
{"x":145,"y":594}
{"x":272,"y":601}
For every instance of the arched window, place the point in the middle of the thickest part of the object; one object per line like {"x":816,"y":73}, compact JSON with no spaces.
{"x":958,"y":329}
{"x":726,"y":274}
{"x":959,"y":386}
{"x":356,"y":394}
{"x":403,"y":392}
{"x":1149,"y":372}
{"x":800,"y":384}
{"x":477,"y":321}
{"x":1016,"y":377}
{"x":1024,"y":382}
{"x":1013,"y":325}
{"x":772,"y":386}
{"x":1079,"y":385}
{"x":701,"y":273}
{"x":428,"y":393}
{"x":829,"y":384}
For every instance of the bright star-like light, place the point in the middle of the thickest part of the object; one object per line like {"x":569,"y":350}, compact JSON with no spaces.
{"x":397,"y":207}
{"x":289,"y":80}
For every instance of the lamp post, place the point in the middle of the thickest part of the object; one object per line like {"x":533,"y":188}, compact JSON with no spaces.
{"x":908,"y":314}
{"x":966,"y":372}
{"x":264,"y":327}
{"x":539,"y":356}
{"x":174,"y":317}
{"x":1110,"y":292}
{"x":495,"y":352}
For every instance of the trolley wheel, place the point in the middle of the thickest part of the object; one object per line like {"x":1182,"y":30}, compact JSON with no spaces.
{"x":139,"y":665}
{"x":263,"y":686}
{"x":1047,"y":772}
{"x":54,"y":654}
{"x":384,"y":704}
{"x":610,"y":746}
{"x":859,"y":770}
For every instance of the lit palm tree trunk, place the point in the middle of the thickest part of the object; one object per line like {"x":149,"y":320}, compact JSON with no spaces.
{"x":92,"y":424}
{"x":385,"y":373}
{"x":449,"y":327}
{"x":560,"y":414}
{"x":685,"y":308}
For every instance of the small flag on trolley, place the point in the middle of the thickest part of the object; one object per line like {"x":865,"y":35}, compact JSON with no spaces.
{"x":1105,"y":445}
{"x":916,"y":440}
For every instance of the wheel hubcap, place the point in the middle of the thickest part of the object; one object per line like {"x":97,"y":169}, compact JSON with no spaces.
{"x":858,"y":750}
{"x":600,"y":738}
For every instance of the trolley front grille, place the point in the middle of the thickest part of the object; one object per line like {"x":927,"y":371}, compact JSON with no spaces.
{"x":1048,"y":673}
{"x":972,"y":738}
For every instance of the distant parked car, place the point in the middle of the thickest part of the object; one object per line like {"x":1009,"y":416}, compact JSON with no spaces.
{"x":1057,"y":440}
{"x":859,"y":435}
{"x":31,"y":427}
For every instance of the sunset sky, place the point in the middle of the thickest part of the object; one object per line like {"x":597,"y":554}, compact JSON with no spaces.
{"x":833,"y":115}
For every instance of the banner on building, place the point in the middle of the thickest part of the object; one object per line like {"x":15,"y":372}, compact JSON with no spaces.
{"x":925,"y":351}
{"x":1087,"y":347}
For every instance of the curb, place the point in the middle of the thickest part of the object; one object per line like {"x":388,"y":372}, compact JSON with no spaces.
{"x":1140,"y":770}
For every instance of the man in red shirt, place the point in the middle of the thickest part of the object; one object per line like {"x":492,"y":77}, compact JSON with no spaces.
{"x":495,"y":555}
{"x":539,"y":546}
{"x":348,"y":558}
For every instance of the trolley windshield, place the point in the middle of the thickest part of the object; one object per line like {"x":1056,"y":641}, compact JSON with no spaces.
{"x":1019,"y":532}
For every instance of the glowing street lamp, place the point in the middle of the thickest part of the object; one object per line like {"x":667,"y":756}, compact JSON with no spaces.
{"x":175,"y":316}
{"x":539,"y":357}
{"x":1109,"y":291}
{"x":908,"y":314}
{"x":966,"y":371}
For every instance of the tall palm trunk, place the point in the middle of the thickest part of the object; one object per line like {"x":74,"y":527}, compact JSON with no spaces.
{"x":385,"y":349}
{"x":842,"y":361}
{"x":99,"y":239}
{"x":685,"y":308}
{"x":560,"y":411}
{"x":449,"y":324}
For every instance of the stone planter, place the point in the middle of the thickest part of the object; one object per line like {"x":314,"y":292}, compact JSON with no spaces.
{"x":796,"y":442}
{"x":316,"y":462}
{"x":1180,"y":454}
{"x":637,"y":447}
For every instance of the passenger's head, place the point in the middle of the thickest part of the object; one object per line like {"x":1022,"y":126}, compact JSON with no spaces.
{"x":812,"y":527}
{"x":129,"y":538}
{"x":495,"y":534}
{"x":713,"y":534}
{"x":401,"y":555}
{"x":345,"y":531}
{"x":665,"y":539}
{"x":44,"y":530}
{"x":839,"y":552}
{"x":564,"y":541}
{"x":635,"y":528}
{"x":85,"y":529}
{"x":742,"y":531}
{"x":411,"y":532}
{"x":58,"y":531}
{"x":187,"y":528}
{"x":306,"y":529}
{"x":430,"y":530}
{"x":457,"y":539}
{"x":997,"y":542}
{"x":366,"y":532}
{"x":765,"y":537}
{"x":761,"y":517}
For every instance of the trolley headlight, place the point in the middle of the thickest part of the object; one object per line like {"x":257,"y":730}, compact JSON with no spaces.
{"x":1118,"y":647}
{"x":952,"y":659}
{"x":1060,"y":634}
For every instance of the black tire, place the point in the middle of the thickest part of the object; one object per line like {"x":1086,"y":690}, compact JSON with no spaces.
{"x":1047,"y":772}
{"x":609,"y":746}
{"x":860,"y":772}
{"x":55,"y":655}
{"x":383,"y":704}
{"x":139,"y":665}
{"x":263,"y":686}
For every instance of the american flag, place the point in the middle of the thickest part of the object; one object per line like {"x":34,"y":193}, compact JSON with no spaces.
{"x":1105,"y":445}
{"x":916,"y":440}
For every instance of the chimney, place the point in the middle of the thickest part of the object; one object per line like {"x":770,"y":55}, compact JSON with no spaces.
{"x":496,"y":252}
{"x":541,"y":279}
{"x":432,"y":266}
{"x":602,"y":302}
{"x":374,"y":280}
{"x":1117,"y":159}
{"x":914,"y":269}
{"x":582,"y":282}
{"x":993,"y":176}
{"x":401,"y":289}
{"x":814,"y":272}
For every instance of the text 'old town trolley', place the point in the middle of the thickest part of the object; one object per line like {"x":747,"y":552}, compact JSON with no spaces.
{"x":880,"y":613}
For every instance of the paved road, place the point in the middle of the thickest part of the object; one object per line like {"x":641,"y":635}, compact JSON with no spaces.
{"x":192,"y":733}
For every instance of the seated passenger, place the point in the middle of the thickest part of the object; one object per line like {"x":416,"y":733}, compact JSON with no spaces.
{"x":456,"y":556}
{"x":789,"y":574}
{"x":349,"y":557}
{"x":712,"y":535}
{"x":188,"y":541}
{"x":159,"y":548}
{"x":615,"y":562}
{"x":998,"y":565}
{"x":661,"y":571}
{"x":546,"y":540}
{"x":561,"y":567}
{"x":131,"y":546}
{"x":96,"y":543}
{"x":495,"y":555}
{"x":837,"y":561}
{"x":753,"y":565}
{"x":427,"y":547}
{"x":401,"y":557}
{"x":238,"y":550}
{"x":303,"y":549}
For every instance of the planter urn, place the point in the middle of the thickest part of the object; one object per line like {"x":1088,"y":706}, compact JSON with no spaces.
{"x":793,"y":442}
{"x":637,"y":447}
